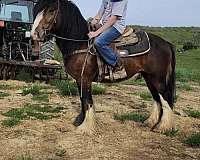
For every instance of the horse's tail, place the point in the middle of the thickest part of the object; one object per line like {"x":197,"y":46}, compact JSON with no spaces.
{"x":171,"y":82}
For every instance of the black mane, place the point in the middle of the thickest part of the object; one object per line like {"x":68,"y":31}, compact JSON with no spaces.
{"x":72,"y":26}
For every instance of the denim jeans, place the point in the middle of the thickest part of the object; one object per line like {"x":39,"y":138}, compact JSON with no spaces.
{"x":102,"y":43}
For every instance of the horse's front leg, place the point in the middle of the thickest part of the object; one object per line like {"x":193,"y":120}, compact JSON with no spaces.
{"x":86,"y":121}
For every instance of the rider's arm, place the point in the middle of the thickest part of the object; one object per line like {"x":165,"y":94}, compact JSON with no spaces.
{"x":111,"y":21}
{"x":99,"y":15}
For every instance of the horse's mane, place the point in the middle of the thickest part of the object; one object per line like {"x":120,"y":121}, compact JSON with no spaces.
{"x":73,"y":25}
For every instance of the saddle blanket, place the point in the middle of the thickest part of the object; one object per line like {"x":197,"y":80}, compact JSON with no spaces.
{"x":135,"y":49}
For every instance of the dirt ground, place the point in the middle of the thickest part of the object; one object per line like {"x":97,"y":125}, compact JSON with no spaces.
{"x":58,"y":139}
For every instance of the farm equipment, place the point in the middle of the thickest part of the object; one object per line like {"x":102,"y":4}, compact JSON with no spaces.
{"x":17,"y":50}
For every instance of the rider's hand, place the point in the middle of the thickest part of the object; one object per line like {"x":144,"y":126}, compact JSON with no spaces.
{"x":93,"y":34}
{"x":94,"y":21}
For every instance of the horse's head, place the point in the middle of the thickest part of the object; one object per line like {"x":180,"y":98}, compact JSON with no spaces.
{"x":45,"y":15}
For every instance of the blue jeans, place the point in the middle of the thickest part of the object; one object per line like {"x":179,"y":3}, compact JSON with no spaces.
{"x":102,"y":43}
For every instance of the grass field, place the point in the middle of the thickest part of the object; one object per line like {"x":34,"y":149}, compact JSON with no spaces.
{"x":188,"y":66}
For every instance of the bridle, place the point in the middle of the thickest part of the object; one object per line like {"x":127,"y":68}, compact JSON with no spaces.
{"x":47,"y":30}
{"x":48,"y":33}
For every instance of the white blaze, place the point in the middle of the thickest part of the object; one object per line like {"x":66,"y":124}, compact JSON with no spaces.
{"x":36,"y":22}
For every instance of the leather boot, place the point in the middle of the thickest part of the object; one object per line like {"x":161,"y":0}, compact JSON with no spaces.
{"x":119,"y":71}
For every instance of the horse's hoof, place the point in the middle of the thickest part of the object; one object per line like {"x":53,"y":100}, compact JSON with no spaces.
{"x":163,"y":129}
{"x":78,"y":120}
{"x":150,"y":123}
{"x":147,"y":123}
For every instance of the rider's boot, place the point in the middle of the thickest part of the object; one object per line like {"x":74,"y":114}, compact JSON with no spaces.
{"x":119,"y":71}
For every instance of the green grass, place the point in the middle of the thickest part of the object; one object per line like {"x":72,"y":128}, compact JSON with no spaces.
{"x":193,"y":140}
{"x":34,"y":90}
{"x":172,"y":133}
{"x":192,"y":113}
{"x":188,"y":66}
{"x":7,"y":87}
{"x":146,"y":96}
{"x":24,"y":157}
{"x":69,"y":88}
{"x":60,"y":152}
{"x":10,"y":122}
{"x":98,"y":89}
{"x":41,"y":98}
{"x":130,"y":117}
{"x":185,"y":86}
{"x":138,"y":82}
{"x":3,"y":95}
{"x":66,"y":88}
{"x":24,"y":76}
{"x":31,"y":111}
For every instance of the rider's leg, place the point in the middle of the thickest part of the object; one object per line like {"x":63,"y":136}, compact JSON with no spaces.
{"x":102,"y":43}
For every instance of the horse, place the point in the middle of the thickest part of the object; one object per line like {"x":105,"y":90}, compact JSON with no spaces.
{"x":63,"y":20}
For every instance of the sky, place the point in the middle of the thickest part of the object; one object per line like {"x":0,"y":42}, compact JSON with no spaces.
{"x":152,"y":12}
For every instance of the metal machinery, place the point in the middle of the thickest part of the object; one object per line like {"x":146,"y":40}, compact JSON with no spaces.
{"x":17,"y":50}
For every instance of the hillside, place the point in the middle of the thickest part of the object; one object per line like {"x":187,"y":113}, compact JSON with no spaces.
{"x":176,"y":35}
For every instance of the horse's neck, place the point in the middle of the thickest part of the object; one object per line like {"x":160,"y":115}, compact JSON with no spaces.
{"x":75,"y":27}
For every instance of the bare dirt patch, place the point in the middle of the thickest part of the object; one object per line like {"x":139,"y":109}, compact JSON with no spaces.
{"x":58,"y":139}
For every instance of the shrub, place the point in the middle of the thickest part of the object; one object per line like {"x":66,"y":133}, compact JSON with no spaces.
{"x":189,"y":46}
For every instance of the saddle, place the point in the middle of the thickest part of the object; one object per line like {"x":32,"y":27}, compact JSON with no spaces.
{"x":130,"y":43}
{"x":128,"y":37}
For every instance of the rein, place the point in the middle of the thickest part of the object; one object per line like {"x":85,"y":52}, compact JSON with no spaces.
{"x":60,"y":37}
{"x":69,"y":39}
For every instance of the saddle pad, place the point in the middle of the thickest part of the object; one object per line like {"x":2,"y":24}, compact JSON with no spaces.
{"x":140,"y":48}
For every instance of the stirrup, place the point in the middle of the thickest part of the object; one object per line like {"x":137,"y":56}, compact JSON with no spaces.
{"x":119,"y":73}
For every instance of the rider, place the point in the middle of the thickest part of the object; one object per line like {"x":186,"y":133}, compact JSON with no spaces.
{"x":112,"y":14}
